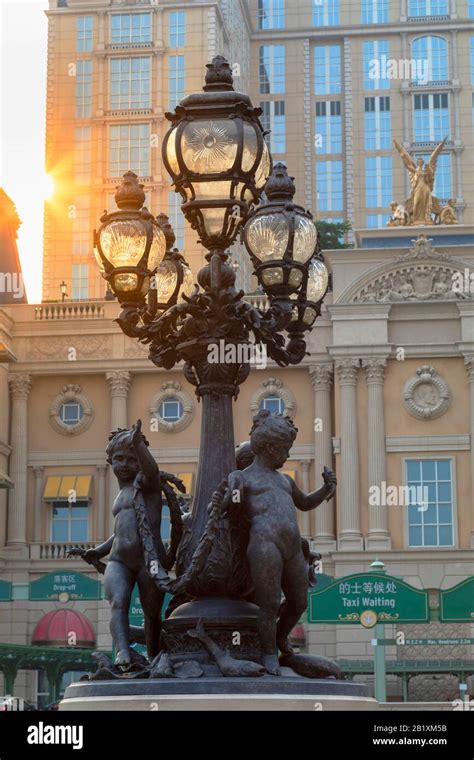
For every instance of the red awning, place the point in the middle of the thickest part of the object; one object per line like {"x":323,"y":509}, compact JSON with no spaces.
{"x":55,"y":628}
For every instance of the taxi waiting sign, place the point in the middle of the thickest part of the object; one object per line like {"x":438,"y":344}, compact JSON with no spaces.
{"x":368,"y":598}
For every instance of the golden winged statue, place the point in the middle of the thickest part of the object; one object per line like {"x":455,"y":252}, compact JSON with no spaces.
{"x":422,"y":204}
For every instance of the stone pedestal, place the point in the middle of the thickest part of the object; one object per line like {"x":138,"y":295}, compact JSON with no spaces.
{"x":286,"y":692}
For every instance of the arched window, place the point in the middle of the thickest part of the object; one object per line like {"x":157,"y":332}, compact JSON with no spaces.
{"x":430,"y":54}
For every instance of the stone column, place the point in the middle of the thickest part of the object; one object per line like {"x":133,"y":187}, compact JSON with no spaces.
{"x":378,"y":535}
{"x":20,"y":386}
{"x":322,"y":519}
{"x":470,"y":373}
{"x":305,"y":516}
{"x":38,"y":522}
{"x":5,"y":450}
{"x":101,"y":503}
{"x":119,"y":384}
{"x":350,"y":536}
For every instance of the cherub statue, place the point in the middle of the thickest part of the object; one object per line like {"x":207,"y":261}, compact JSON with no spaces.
{"x":399,"y":216}
{"x":136,"y":552}
{"x":274,"y":552}
{"x":422,"y":176}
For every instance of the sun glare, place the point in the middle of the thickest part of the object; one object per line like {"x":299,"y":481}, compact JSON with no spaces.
{"x":47,"y":187}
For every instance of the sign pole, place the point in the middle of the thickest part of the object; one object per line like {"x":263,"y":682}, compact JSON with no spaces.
{"x":379,"y":664}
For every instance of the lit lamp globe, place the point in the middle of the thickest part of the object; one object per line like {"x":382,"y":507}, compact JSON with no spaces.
{"x":281,"y":238}
{"x":216,"y":154}
{"x":173,"y":279}
{"x":308,"y":306}
{"x":129,"y":244}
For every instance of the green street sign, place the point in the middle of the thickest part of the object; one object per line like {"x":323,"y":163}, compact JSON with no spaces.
{"x":64,"y":586}
{"x":5,"y":591}
{"x":457,"y":603}
{"x":386,"y":598}
{"x":135,"y":611}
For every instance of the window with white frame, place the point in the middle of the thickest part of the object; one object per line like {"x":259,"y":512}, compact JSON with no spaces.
{"x":326,"y":13}
{"x":81,"y":237}
{"x":328,"y":127}
{"x":175,"y":80}
{"x":430,"y":54}
{"x":378,"y":181}
{"x":70,"y":521}
{"x":375,"y":58}
{"x":83,"y":89}
{"x":129,"y":148}
{"x":177,"y":29}
{"x":129,"y":83}
{"x":327,"y":70}
{"x":272,"y":69}
{"x":431,"y":116}
{"x":271,"y":14}
{"x":84,"y":30}
{"x":127,"y":28}
{"x":71,"y":412}
{"x":431,"y":507}
{"x":274,"y":119}
{"x":329,"y":186}
{"x":80,"y":282}
{"x":82,"y":155}
{"x":171,"y":410}
{"x":374,"y":11}
{"x":377,"y":123}
{"x":273,"y":404}
{"x":428,"y":7}
{"x":472,"y":60}
{"x":376,"y":221}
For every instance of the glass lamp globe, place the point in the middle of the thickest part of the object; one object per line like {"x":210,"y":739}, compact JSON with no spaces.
{"x":217,"y":157}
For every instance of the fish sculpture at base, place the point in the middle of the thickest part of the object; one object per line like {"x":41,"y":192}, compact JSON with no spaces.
{"x":227,"y":664}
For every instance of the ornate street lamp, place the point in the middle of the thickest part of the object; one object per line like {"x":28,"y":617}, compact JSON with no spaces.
{"x":219,"y":162}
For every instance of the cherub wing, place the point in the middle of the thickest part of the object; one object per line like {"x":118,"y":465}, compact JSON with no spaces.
{"x":431,"y":166}
{"x":406,"y":158}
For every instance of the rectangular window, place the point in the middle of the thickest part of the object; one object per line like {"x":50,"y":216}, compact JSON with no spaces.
{"x":84,"y":29}
{"x":374,"y":12}
{"x":274,"y":119}
{"x":378,"y":181}
{"x":82,"y":155}
{"x":177,"y":30}
{"x":83,"y":89}
{"x":127,"y":28}
{"x":328,"y":127}
{"x":129,"y":83}
{"x":430,"y":523}
{"x":430,"y":117}
{"x":377,"y":123}
{"x":80,"y":282}
{"x":326,"y":13}
{"x":329,"y":186}
{"x":272,"y":69}
{"x":428,"y":8}
{"x":327,"y":70}
{"x":271,"y":14}
{"x":129,"y":148}
{"x":375,"y":221}
{"x":376,"y":55}
{"x":81,"y":237}
{"x":175,"y":80}
{"x":70,"y":522}
{"x":176,"y":218}
{"x":470,"y":9}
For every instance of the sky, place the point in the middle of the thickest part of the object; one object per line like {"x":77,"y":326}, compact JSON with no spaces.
{"x":23,"y":46}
